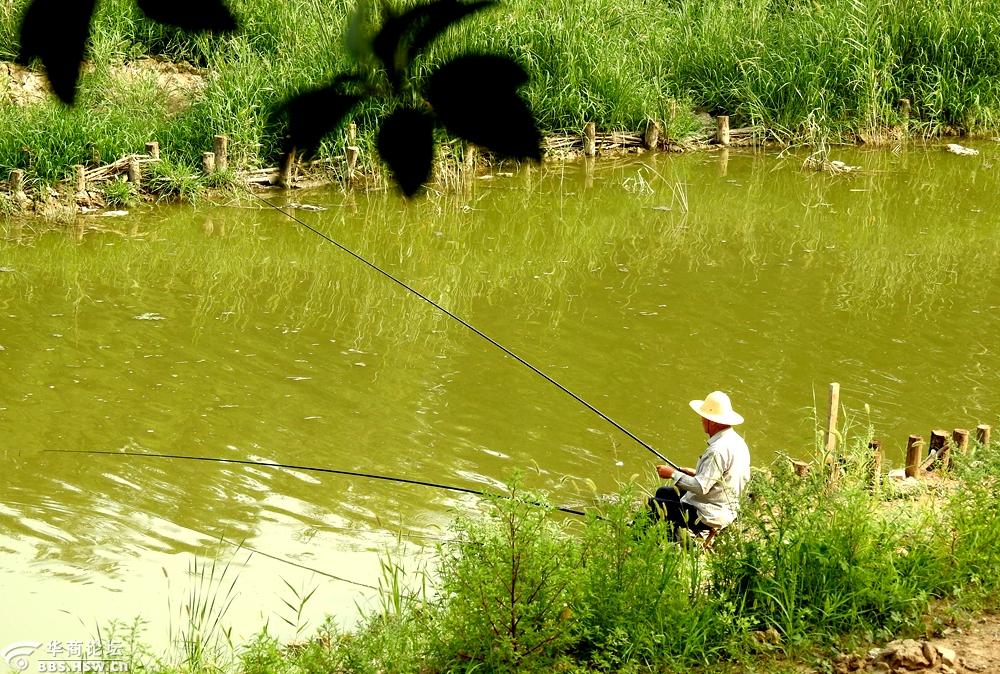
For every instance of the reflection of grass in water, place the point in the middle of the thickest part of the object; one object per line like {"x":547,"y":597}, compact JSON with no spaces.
{"x":861,"y":231}
{"x":311,"y":282}
{"x":535,"y":242}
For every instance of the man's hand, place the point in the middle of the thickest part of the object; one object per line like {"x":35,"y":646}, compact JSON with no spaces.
{"x":666,"y":472}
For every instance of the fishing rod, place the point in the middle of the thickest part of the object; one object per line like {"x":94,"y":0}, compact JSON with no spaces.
{"x":474,"y":329}
{"x":311,"y":469}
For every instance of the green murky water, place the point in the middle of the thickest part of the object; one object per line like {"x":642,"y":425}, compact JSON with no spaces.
{"x":641,"y":284}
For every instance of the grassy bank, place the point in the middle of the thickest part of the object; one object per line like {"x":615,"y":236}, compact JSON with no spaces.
{"x":808,"y":570}
{"x":806,"y":71}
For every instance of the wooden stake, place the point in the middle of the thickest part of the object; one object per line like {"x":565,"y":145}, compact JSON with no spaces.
{"x":208,"y":162}
{"x":352,"y":161}
{"x":875,"y":465}
{"x":914,"y":446}
{"x":651,"y":139}
{"x":590,"y":139}
{"x":983,"y":434}
{"x":904,"y":112}
{"x":801,"y":468}
{"x":352,"y":134}
{"x":960,"y":441}
{"x":939,"y":447}
{"x":153,"y":149}
{"x":134,"y":173}
{"x":722,"y":135}
{"x":469,"y":157}
{"x":831,"y":419}
{"x":81,"y":180}
{"x":287,"y":165}
{"x":220,"y":144}
{"x":17,"y":190}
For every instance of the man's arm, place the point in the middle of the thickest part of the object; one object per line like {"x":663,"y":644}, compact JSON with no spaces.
{"x":700,"y":482}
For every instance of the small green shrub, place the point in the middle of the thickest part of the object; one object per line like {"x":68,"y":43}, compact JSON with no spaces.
{"x":8,"y":206}
{"x":508,"y":585}
{"x":973,"y":550}
{"x":639,"y":587}
{"x":170,"y":181}
{"x":118,"y":192}
{"x":263,"y":655}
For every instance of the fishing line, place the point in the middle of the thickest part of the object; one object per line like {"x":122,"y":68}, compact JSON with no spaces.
{"x":372,"y":265}
{"x":313,"y":469}
{"x":244,"y":546}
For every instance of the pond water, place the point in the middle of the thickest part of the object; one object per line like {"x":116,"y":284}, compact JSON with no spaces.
{"x":639,"y":283}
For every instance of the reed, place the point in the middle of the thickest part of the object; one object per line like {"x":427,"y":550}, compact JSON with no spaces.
{"x":202,"y":638}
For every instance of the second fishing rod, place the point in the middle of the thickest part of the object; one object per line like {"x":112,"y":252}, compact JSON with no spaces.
{"x":469,"y":326}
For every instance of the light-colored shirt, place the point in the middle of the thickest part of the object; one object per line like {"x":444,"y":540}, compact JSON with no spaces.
{"x":720,"y":476}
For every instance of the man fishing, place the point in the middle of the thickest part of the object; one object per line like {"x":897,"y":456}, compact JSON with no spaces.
{"x":707,"y":498}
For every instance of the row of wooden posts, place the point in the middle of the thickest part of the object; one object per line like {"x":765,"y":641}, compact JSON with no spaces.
{"x":939,"y":451}
{"x":649,"y":138}
{"x":723,"y":134}
{"x":215,"y":161}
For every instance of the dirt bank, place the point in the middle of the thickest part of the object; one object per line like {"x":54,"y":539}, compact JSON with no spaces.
{"x":970,"y":648}
{"x":179,"y":83}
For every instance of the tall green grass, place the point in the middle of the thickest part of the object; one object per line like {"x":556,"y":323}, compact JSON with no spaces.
{"x":805,"y":70}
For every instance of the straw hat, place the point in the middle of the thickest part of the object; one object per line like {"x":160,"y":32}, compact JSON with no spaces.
{"x":716,"y":407}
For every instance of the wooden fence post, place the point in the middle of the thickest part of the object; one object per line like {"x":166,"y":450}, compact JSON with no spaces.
{"x":208,"y":162}
{"x":17,"y":190}
{"x":904,"y":112}
{"x":940,"y":449}
{"x":960,"y":441}
{"x":287,"y":166}
{"x":831,"y":418}
{"x":590,"y":139}
{"x":352,"y":161}
{"x":983,"y":434}
{"x":352,"y":134}
{"x":220,"y":145}
{"x":651,"y":139}
{"x":153,"y":149}
{"x":722,"y":135}
{"x":16,"y":181}
{"x":833,"y":464}
{"x":914,"y":445}
{"x":81,"y":179}
{"x":135,"y":173}
{"x":469,"y":157}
